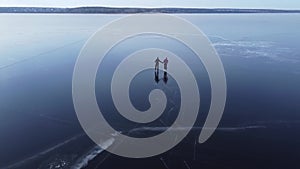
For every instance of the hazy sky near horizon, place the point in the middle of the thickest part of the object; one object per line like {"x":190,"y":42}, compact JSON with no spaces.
{"x":278,"y":4}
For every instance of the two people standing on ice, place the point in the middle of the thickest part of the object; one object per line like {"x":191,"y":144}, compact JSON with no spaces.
{"x":165,"y":62}
{"x":156,"y":68}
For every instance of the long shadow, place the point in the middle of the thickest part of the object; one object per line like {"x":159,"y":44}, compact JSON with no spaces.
{"x":157,"y":79}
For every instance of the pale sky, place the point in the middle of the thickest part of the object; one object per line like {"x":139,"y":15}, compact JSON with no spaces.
{"x":275,"y":4}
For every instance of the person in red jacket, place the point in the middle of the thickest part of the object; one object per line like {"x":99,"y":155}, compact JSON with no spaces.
{"x":166,"y":61}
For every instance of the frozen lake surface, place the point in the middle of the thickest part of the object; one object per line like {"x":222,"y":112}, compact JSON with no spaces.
{"x":259,"y":128}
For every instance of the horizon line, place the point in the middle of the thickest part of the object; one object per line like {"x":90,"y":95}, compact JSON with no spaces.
{"x":146,"y":7}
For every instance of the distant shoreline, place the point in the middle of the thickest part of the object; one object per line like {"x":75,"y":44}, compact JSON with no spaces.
{"x":111,"y":10}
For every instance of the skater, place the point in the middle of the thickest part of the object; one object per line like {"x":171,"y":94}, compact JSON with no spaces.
{"x":165,"y":62}
{"x":157,"y":61}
